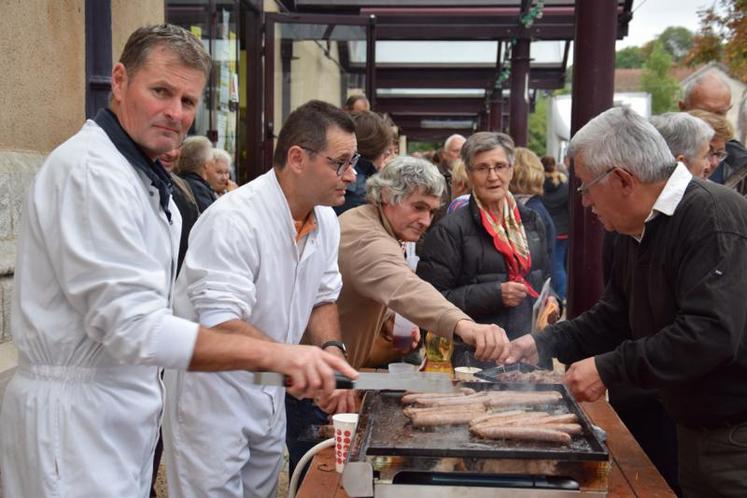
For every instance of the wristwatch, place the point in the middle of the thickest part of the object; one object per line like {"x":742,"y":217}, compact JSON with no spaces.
{"x":338,"y":344}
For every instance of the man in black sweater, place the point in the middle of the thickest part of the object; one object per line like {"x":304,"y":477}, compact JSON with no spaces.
{"x":672,"y":317}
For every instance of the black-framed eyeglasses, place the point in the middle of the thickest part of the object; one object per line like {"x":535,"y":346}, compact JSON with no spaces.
{"x":340,"y":165}
{"x":583,"y":189}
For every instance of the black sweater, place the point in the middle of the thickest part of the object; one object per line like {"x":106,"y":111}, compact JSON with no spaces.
{"x":673,"y":315}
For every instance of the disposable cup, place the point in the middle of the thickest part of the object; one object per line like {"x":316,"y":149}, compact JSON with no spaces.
{"x":344,"y":425}
{"x":466,"y":373}
{"x":403,"y":332}
{"x":402,"y":368}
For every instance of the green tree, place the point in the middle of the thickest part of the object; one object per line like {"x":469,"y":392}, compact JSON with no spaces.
{"x":537,"y":125}
{"x":677,"y":41}
{"x":657,"y":81}
{"x":629,"y":58}
{"x":722,"y":36}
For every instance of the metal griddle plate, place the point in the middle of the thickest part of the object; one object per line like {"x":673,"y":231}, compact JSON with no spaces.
{"x":386,"y":431}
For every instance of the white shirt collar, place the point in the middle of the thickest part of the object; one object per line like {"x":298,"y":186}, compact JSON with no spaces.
{"x":670,"y":196}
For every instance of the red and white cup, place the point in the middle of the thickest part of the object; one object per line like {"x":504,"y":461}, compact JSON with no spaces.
{"x":344,"y":425}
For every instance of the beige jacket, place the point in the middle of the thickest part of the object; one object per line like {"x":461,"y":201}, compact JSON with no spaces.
{"x":375,"y":276}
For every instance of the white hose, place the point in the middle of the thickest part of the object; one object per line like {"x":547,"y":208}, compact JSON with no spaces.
{"x":302,"y":464}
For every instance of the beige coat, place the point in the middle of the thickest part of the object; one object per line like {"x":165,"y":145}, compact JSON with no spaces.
{"x":375,"y":276}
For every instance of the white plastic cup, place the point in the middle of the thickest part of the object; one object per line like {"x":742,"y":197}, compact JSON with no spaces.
{"x":344,"y":425}
{"x":466,"y":373}
{"x":402,"y":368}
{"x":403,"y":333}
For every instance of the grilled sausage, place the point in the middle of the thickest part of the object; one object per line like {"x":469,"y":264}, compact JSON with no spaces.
{"x":409,"y":411}
{"x":433,"y":419}
{"x":523,"y":434}
{"x":496,"y":415}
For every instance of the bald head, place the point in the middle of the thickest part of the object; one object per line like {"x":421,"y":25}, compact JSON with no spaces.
{"x":708,"y":93}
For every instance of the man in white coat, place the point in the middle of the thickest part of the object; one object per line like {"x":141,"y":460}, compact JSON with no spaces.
{"x":262,"y":261}
{"x":94,"y":280}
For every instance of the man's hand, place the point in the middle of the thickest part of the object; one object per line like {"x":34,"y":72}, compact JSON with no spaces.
{"x":583,"y":380}
{"x":513,"y":293}
{"x":523,"y":349}
{"x":340,"y":401}
{"x":311,"y":370}
{"x":490,"y":341}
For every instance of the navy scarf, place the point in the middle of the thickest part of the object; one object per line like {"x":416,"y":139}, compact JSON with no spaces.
{"x":154,"y":170}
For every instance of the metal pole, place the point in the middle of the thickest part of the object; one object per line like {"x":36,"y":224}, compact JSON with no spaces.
{"x":519,"y":98}
{"x":371,"y":61}
{"x":269,"y":135}
{"x":593,"y":90}
{"x":496,"y":113}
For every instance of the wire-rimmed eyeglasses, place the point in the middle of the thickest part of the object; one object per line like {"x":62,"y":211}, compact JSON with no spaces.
{"x":583,"y":189}
{"x":340,"y":165}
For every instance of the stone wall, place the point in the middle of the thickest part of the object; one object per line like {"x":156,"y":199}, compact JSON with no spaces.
{"x":17,"y":170}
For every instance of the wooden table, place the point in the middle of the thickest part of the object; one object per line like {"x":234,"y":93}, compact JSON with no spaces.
{"x":631,"y":473}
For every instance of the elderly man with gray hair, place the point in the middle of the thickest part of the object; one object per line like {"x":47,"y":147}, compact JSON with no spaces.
{"x":688,"y":139}
{"x":672,"y":316}
{"x":376,"y":277}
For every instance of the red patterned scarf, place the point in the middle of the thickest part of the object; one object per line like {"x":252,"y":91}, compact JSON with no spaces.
{"x":509,"y":239}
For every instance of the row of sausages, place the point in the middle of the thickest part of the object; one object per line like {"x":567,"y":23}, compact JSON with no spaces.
{"x":487,"y":415}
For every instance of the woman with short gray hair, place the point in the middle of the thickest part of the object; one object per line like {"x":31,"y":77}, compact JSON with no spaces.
{"x":195,"y":160}
{"x":489,"y":258}
{"x":688,"y":139}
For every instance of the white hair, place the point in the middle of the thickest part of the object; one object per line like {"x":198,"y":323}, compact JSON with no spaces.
{"x":403,"y":176}
{"x":685,"y":134}
{"x":619,"y":137}
{"x":452,"y":138}
{"x":222,"y":155}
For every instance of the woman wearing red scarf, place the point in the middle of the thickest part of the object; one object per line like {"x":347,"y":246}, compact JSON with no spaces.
{"x":490,"y":257}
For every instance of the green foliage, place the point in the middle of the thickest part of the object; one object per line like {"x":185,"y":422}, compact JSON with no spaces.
{"x":677,"y":41}
{"x":629,"y":58}
{"x":421,"y":146}
{"x":657,"y":81}
{"x":722,"y":36}
{"x":537,"y":132}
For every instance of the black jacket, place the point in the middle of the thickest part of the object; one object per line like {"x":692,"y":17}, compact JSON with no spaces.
{"x":672,"y":316}
{"x":460,"y":260}
{"x":201,"y":189}
{"x":556,"y":202}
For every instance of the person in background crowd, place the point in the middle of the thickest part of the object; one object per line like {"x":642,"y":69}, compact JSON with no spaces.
{"x":556,"y":201}
{"x":450,"y":153}
{"x":671,"y":317}
{"x":460,"y":187}
{"x":183,"y":198}
{"x":92,"y":316}
{"x":374,"y":137}
{"x":394,"y":149}
{"x":528,"y":187}
{"x":357,"y":103}
{"x":722,"y":134}
{"x":489,"y":259}
{"x":262,"y":262}
{"x":711,"y":94}
{"x":223,"y":172}
{"x":689,"y":140}
{"x":195,"y":161}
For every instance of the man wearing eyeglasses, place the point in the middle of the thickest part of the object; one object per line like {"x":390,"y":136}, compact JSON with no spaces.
{"x":262,"y":262}
{"x":672,"y":317}
{"x":711,"y":94}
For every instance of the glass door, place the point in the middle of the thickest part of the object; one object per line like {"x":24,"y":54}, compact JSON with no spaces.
{"x":313,"y":56}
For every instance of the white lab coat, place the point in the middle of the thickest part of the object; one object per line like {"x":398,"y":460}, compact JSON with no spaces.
{"x":92,"y":322}
{"x":224,"y":436}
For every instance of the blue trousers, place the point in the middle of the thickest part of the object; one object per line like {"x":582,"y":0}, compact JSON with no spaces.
{"x":558,"y":267}
{"x":300,"y":414}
